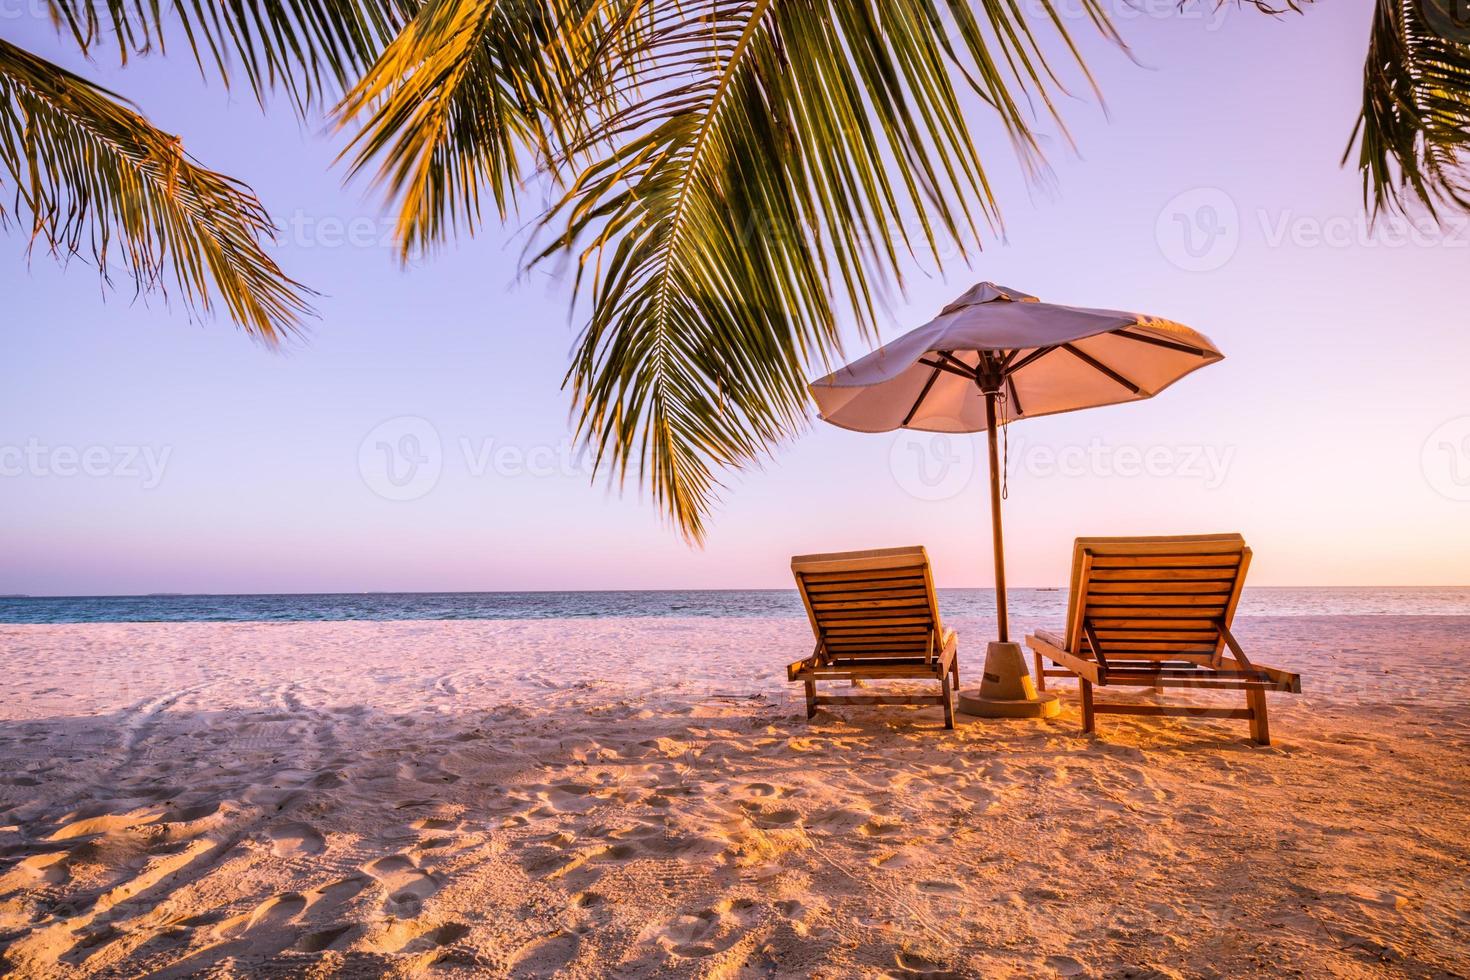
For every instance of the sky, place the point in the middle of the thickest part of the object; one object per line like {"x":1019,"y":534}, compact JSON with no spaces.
{"x":418,"y":439}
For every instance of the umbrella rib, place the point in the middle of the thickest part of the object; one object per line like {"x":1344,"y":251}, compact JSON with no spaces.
{"x":940,"y":365}
{"x":950,"y":359}
{"x":1015,"y":397}
{"x":1093,"y":362}
{"x":1159,"y":342}
{"x":933,"y":377}
{"x":1030,"y":358}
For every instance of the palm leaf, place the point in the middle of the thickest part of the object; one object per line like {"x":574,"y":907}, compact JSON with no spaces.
{"x":306,"y":48}
{"x":93,"y":175}
{"x":469,"y":96}
{"x":1414,"y":130}
{"x":767,"y":165}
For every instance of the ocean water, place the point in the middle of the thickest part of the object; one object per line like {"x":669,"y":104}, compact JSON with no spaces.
{"x":1029,"y":605}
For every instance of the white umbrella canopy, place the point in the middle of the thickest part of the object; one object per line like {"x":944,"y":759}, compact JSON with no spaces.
{"x":1050,"y":359}
{"x":1001,"y":353}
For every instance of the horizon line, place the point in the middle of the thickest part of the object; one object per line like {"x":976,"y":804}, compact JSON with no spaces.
{"x":426,"y":592}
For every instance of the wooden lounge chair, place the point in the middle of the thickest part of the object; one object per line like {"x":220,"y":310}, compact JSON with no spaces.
{"x":875,"y":618}
{"x":1156,"y":612}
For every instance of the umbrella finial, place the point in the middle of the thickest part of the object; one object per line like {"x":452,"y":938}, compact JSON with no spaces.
{"x":988,"y":292}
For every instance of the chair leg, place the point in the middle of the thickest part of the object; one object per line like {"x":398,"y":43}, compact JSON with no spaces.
{"x":1040,"y":671}
{"x":811,"y":697}
{"x":1089,"y":719}
{"x":955,"y":669}
{"x":1255,"y":699}
{"x":948,"y":701}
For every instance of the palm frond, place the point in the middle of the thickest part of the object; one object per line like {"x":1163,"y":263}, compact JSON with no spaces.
{"x":93,"y":176}
{"x":766,"y":167}
{"x":306,"y":48}
{"x":468,"y":97}
{"x":1413,"y":136}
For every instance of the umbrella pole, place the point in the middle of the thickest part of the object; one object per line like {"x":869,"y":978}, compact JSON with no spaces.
{"x":1000,"y":555}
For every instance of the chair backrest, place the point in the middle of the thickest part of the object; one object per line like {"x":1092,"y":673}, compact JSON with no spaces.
{"x":870,"y":604}
{"x":1155,"y":598}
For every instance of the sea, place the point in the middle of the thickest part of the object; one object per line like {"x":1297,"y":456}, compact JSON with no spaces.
{"x":1032,"y":605}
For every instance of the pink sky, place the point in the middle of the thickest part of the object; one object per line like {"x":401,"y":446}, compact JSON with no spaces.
{"x":141,"y":453}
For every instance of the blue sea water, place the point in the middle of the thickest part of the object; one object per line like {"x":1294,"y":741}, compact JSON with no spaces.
{"x":1028,"y":604}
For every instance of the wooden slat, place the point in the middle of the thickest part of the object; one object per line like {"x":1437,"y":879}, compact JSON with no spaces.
{"x":1166,"y":561}
{"x":880,"y":699}
{"x":916,"y":600}
{"x":1176,"y":621}
{"x":1209,"y":613}
{"x":860,"y":647}
{"x":882,"y":650}
{"x":1214,"y":599}
{"x":1150,"y":645}
{"x":1226,"y":575}
{"x":1126,"y":657}
{"x":901,"y":623}
{"x":901,"y":614}
{"x":1160,"y":588}
{"x":865,"y":589}
{"x":864,"y":672}
{"x":1169,"y":710}
{"x":880,"y":590}
{"x":872,"y":575}
{"x":1198,"y":636}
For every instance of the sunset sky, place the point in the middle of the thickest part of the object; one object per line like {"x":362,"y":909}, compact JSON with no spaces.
{"x":140,"y":452}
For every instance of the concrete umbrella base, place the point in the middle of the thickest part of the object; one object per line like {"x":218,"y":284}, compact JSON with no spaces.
{"x":1007,"y":690}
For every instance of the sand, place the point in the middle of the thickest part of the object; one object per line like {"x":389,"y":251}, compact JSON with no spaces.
{"x":644,"y":797}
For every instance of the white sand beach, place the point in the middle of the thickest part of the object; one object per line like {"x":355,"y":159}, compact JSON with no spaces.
{"x":644,"y":797}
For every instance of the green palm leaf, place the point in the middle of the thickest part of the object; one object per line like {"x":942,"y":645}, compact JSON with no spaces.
{"x":470,"y":96}
{"x":769,"y":162}
{"x":92,"y":175}
{"x":1414,"y":131}
{"x":306,"y":48}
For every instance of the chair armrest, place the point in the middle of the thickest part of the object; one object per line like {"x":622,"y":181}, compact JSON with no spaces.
{"x":950,"y":649}
{"x":794,"y":669}
{"x":1053,"y":639}
{"x":1082,"y":668}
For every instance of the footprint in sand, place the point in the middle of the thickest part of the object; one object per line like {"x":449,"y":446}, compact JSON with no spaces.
{"x":709,"y":931}
{"x":323,"y":939}
{"x":770,"y":817}
{"x":435,"y":823}
{"x":407,"y":884}
{"x":545,"y":957}
{"x":1066,"y":966}
{"x":840,"y":820}
{"x":933,"y":887}
{"x":912,"y":966}
{"x":330,"y":896}
{"x":403,"y":936}
{"x":275,"y":911}
{"x":290,"y":840}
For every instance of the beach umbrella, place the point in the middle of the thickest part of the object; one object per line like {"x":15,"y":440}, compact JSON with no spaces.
{"x":995,"y":355}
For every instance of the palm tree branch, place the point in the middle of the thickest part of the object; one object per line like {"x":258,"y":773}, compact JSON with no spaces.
{"x":97,"y":178}
{"x":781,"y":155}
{"x":307,"y":48}
{"x":1413,"y":134}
